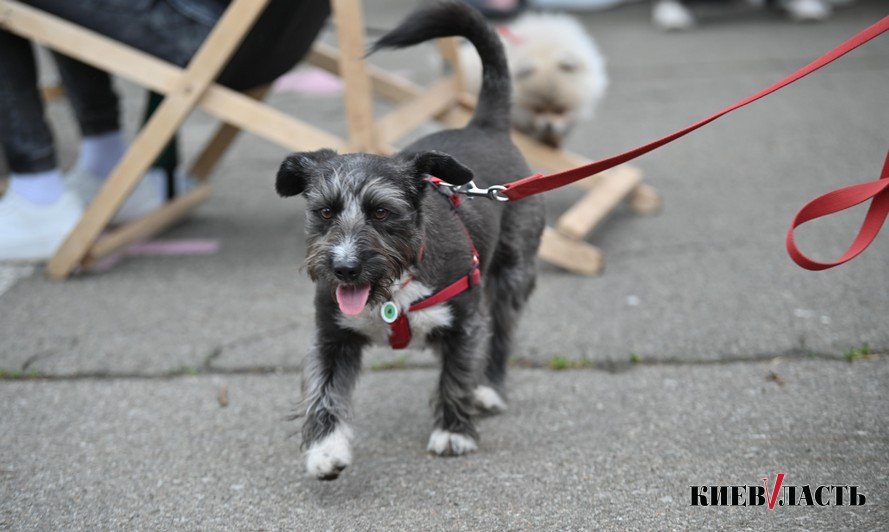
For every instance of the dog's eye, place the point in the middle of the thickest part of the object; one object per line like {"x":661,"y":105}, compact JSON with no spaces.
{"x":326,"y":213}
{"x":524,"y":72}
{"x":567,"y":66}
{"x":380,"y":214}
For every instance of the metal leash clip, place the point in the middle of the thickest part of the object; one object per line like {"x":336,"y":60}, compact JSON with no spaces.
{"x":494,"y":192}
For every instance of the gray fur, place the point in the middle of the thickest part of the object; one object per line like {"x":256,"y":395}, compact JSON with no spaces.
{"x":507,"y":235}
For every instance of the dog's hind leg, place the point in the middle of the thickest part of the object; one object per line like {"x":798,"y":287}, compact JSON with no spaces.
{"x":454,"y":432}
{"x":509,"y":283}
{"x":329,"y":377}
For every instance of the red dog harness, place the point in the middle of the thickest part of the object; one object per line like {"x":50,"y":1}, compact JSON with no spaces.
{"x":829,"y":203}
{"x":400,"y":328}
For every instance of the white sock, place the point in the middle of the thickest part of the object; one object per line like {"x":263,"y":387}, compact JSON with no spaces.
{"x":99,"y":154}
{"x":40,"y":188}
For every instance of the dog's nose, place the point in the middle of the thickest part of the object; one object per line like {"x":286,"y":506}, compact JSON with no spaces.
{"x":347,"y":270}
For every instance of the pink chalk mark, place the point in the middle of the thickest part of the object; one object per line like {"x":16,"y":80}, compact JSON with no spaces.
{"x":183,"y":247}
{"x":312,"y":81}
{"x":174,"y":247}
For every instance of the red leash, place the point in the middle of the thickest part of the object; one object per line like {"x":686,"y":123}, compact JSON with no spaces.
{"x":829,"y":203}
{"x":839,"y":200}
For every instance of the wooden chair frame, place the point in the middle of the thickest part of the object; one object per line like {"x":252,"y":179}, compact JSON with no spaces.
{"x":191,"y":87}
{"x":184,"y":90}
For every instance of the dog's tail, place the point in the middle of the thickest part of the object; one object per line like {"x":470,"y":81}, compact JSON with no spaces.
{"x":456,"y":19}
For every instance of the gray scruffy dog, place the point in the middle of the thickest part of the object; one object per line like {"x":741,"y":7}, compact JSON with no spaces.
{"x":379,"y":234}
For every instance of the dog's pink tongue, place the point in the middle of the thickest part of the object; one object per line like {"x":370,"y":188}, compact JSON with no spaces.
{"x":352,"y":298}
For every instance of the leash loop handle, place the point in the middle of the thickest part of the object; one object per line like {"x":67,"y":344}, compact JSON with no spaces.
{"x":840,"y":200}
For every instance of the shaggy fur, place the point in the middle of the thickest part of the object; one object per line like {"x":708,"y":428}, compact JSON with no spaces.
{"x":558,"y":74}
{"x":367,"y":217}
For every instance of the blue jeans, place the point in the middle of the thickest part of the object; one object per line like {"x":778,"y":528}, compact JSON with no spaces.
{"x":170,"y":29}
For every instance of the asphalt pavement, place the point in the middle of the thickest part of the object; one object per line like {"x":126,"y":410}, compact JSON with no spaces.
{"x":701,"y":356}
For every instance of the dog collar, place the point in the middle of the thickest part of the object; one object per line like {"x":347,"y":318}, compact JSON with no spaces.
{"x":399,"y":324}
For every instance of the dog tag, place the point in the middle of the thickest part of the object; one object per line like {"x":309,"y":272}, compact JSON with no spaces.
{"x":389,"y":312}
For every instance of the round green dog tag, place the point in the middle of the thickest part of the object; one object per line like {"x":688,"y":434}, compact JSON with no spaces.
{"x":389,"y":312}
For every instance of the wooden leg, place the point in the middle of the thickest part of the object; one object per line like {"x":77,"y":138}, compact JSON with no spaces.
{"x":385,"y":84}
{"x":645,"y":199}
{"x":146,"y":226}
{"x":358,"y":97}
{"x":573,"y":255}
{"x":597,"y":203}
{"x":450,"y":51}
{"x":205,"y":66}
{"x":416,"y":112}
{"x":222,"y":139}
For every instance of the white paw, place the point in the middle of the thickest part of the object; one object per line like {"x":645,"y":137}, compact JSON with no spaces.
{"x":487,"y":399}
{"x":671,"y":15}
{"x":327,"y":457}
{"x":444,"y":443}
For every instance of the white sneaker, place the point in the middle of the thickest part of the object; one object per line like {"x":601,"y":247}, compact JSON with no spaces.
{"x":808,"y":10}
{"x":671,"y":15}
{"x":146,"y":197}
{"x":30,"y":232}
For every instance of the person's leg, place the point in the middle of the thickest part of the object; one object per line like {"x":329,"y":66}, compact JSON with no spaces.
{"x":24,"y":134}
{"x":97,"y":110}
{"x":36,"y":212}
{"x":182,"y":25}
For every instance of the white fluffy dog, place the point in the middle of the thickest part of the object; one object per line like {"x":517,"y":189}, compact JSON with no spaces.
{"x":557,"y":72}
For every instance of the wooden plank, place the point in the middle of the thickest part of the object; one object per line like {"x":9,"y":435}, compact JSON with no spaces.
{"x":216,"y":147}
{"x":385,"y":84}
{"x":416,"y":112}
{"x":147,"y":226}
{"x":203,"y":68}
{"x":542,"y":156}
{"x":450,"y":51}
{"x":358,"y":97}
{"x":573,"y":255}
{"x":624,"y":171}
{"x":267,"y":122}
{"x":645,"y":199}
{"x":213,"y":150}
{"x":598,"y":202}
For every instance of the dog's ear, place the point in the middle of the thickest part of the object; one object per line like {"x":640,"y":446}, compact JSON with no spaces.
{"x":297,"y":169}
{"x":441,"y":165}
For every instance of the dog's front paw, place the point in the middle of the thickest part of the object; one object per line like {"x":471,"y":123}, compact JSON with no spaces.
{"x":327,"y":457}
{"x":488,"y":400}
{"x":444,"y":443}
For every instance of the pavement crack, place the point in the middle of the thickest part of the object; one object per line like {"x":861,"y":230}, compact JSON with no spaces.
{"x":40,"y":355}
{"x":605,"y":366}
{"x":46,"y":353}
{"x":215,"y":353}
{"x":246,"y":340}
